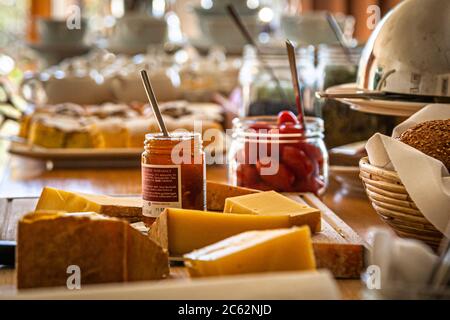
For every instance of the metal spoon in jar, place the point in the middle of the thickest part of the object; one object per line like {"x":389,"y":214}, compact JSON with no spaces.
{"x":154,"y":103}
{"x":295,"y":82}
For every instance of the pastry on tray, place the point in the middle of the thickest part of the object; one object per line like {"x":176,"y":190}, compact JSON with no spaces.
{"x":113,"y":125}
{"x":59,"y":132}
{"x":109,"y":133}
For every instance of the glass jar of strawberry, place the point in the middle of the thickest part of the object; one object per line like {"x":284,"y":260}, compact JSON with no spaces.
{"x":277,"y":153}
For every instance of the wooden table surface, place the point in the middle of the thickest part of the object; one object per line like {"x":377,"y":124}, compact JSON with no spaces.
{"x":25,"y":178}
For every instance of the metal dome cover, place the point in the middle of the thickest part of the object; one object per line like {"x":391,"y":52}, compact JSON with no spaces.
{"x":409,"y":51}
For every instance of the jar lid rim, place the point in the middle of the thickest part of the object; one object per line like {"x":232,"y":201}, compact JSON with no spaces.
{"x":176,"y":135}
{"x":314,"y":127}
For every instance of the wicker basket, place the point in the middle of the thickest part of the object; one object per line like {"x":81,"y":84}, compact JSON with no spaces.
{"x":392,"y":202}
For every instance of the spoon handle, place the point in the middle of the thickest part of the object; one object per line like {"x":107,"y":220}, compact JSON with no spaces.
{"x":154,"y":103}
{"x":296,"y":83}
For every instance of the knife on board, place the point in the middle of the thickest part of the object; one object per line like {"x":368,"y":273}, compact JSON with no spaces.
{"x":7,"y":253}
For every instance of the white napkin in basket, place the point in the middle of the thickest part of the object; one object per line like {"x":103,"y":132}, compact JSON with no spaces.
{"x":426,"y":179}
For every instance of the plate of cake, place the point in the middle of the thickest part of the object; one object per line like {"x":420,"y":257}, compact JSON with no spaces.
{"x":108,"y":131}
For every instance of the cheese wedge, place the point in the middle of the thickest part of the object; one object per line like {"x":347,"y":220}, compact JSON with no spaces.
{"x":54,"y":199}
{"x":254,"y":251}
{"x":104,"y":249}
{"x":182,"y":231}
{"x":217,"y":193}
{"x":271,"y":203}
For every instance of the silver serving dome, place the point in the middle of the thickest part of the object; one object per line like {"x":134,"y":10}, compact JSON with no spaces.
{"x":409,"y":51}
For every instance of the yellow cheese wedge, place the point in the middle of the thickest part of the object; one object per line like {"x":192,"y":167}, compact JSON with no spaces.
{"x":271,"y":203}
{"x":182,"y":231}
{"x":54,"y":199}
{"x":254,"y":251}
{"x":216,"y":194}
{"x":105,"y":250}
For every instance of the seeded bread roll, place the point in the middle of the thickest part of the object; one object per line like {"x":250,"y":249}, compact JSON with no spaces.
{"x":432,"y":138}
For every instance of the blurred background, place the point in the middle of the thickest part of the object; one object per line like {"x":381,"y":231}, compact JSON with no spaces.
{"x":52,"y":49}
{"x":19,"y":18}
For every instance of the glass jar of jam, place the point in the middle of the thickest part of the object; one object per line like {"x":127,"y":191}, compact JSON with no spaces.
{"x":268,"y":155}
{"x":173,"y":173}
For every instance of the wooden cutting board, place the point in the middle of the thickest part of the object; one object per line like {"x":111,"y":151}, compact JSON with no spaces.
{"x":337,"y":247}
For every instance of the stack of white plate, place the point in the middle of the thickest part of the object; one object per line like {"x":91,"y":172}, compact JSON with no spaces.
{"x":376,"y":106}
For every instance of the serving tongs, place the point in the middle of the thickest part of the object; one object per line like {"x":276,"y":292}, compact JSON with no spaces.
{"x":334,"y":25}
{"x":249,"y":39}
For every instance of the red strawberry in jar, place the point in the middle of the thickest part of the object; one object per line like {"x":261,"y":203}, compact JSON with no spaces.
{"x":297,"y":161}
{"x":289,"y":157}
{"x":275,"y":174}
{"x":247,"y":175}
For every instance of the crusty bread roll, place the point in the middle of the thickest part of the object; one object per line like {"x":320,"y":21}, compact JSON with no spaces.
{"x":431,"y":138}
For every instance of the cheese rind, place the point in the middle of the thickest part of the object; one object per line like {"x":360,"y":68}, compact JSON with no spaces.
{"x":254,"y":251}
{"x":105,"y":250}
{"x":344,"y":260}
{"x":271,"y":203}
{"x":182,"y":231}
{"x":217,"y":193}
{"x":54,"y":199}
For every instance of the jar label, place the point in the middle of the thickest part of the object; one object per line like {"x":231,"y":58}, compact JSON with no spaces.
{"x":161,"y":188}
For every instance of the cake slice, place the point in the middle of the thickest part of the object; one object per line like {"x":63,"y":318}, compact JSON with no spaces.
{"x":109,"y":133}
{"x":51,"y":131}
{"x":137,"y":129}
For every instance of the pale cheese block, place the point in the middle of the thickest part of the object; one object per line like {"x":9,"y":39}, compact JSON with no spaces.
{"x":217,"y":193}
{"x":271,"y":203}
{"x":182,"y":230}
{"x":51,"y":245}
{"x":54,"y":199}
{"x":253,"y":252}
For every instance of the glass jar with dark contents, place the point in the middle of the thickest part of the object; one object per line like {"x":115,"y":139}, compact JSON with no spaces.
{"x":344,"y":125}
{"x":173,"y":173}
{"x":261,"y":94}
